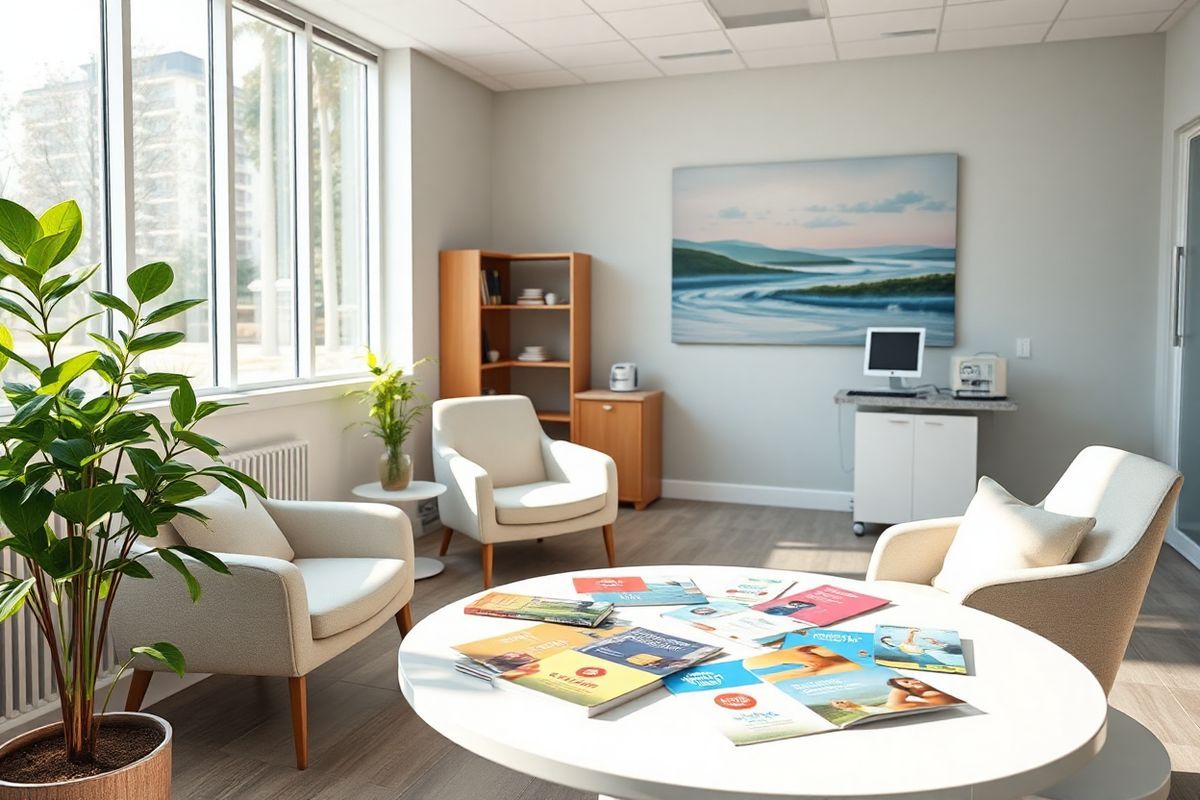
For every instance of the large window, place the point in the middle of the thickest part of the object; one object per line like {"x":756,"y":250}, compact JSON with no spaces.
{"x":213,"y":149}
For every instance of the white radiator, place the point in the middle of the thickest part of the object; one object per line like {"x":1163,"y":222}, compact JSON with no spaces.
{"x":26,"y":673}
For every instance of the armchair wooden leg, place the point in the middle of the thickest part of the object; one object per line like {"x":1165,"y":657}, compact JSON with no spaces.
{"x":137,"y":689}
{"x":447,"y":535}
{"x":404,"y":619}
{"x":486,"y":559}
{"x":298,"y":689}
{"x":610,"y":546}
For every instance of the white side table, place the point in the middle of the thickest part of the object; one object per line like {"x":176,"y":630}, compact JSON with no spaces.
{"x":406,"y":500}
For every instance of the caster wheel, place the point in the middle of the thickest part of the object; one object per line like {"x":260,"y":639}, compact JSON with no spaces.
{"x":859,"y":529}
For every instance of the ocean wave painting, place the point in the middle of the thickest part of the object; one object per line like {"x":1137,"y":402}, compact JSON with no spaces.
{"x":815,"y":252}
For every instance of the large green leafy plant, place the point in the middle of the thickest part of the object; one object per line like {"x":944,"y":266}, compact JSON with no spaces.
{"x":110,"y":472}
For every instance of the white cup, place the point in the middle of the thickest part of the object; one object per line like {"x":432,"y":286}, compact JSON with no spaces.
{"x":551,"y":299}
{"x":493,"y":356}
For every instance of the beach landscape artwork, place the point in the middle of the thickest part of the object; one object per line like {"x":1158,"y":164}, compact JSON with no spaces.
{"x":815,"y":252}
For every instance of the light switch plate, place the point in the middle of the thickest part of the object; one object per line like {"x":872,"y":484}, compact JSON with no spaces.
{"x":1024,"y":347}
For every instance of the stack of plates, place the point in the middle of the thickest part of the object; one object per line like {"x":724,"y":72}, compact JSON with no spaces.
{"x":531,"y":297}
{"x":533,"y":352}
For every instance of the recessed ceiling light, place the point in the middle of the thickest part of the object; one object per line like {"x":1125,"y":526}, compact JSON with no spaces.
{"x":701,"y":54}
{"x":752,"y":13}
{"x":913,"y":32}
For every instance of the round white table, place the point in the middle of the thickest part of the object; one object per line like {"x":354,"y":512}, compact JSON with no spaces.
{"x":1041,"y":714}
{"x":407,"y":499}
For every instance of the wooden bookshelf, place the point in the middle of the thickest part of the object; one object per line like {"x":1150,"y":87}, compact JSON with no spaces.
{"x":466,"y":320}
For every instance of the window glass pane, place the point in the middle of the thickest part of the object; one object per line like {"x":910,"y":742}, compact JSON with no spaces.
{"x":51,"y":148}
{"x":265,"y":200}
{"x":171,"y":184}
{"x":338,"y":211}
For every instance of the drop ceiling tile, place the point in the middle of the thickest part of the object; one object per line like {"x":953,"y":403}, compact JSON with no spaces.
{"x":511,"y":63}
{"x":998,"y":13}
{"x":1179,"y":14}
{"x":492,"y":83}
{"x":604,"y":6}
{"x":690,"y":66}
{"x":786,"y":56}
{"x":564,"y":31}
{"x":663,"y":20}
{"x":849,"y":8}
{"x":878,"y":48}
{"x":540,"y":80}
{"x":787,"y":34}
{"x":1078,"y":9}
{"x":415,"y":16}
{"x":874,"y":26}
{"x":368,"y":26}
{"x":602,"y":73}
{"x":1096,"y":27}
{"x":993,"y":37}
{"x":593,"y":55}
{"x":474,"y":41}
{"x":505,"y":11}
{"x":660,"y":46}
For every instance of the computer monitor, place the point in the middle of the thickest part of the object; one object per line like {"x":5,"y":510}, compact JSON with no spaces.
{"x":895,"y":353}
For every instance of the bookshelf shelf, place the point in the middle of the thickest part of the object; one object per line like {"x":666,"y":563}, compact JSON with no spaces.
{"x":467,"y":322}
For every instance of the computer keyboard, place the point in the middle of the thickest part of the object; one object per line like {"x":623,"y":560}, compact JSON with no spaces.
{"x":877,"y":393}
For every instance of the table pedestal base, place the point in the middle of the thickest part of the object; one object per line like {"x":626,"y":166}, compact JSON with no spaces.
{"x":425,"y":567}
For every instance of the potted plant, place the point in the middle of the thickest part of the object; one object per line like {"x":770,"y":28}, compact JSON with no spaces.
{"x":84,"y":474}
{"x":395,"y":408}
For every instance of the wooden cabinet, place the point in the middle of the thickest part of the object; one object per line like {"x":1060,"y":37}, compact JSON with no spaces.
{"x":628,"y":427}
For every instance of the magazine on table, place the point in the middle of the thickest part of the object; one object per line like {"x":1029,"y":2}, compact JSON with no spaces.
{"x":583,"y":613}
{"x":499,"y":654}
{"x":747,"y":589}
{"x":736,"y":622}
{"x":821,"y":606}
{"x":635,"y":591}
{"x":929,"y":649}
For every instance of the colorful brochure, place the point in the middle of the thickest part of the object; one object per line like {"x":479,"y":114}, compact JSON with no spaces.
{"x":865,"y":694}
{"x":509,"y":651}
{"x":650,"y":651}
{"x":591,"y":683}
{"x":929,"y":649}
{"x":852,"y":645}
{"x":634,"y":591}
{"x":822,"y":606}
{"x":735,"y":622}
{"x":582,"y":613}
{"x":748,"y":589}
{"x":742,"y":707}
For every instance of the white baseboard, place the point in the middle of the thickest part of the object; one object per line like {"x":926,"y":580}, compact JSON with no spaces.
{"x":747,"y":494}
{"x":1187,"y":547}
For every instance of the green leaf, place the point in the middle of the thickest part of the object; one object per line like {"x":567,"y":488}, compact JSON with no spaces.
{"x":12,"y":596}
{"x":6,"y":340}
{"x":37,"y":407}
{"x":183,"y":404}
{"x":130,"y":567}
{"x":170,"y":310}
{"x":67,"y":557}
{"x":145,"y":462}
{"x":22,"y":516}
{"x":18,"y":228}
{"x":204,"y":557}
{"x":64,"y":218}
{"x":137,"y":515}
{"x":164,"y":653}
{"x":155,"y":341}
{"x":115,"y":303}
{"x":44,"y":254}
{"x":70,"y":452}
{"x":175,"y":561}
{"x":86,"y":506}
{"x":241,"y":477}
{"x":56,"y":378}
{"x":148,"y":282}
{"x":16,"y":309}
{"x":31,"y":279}
{"x":202,"y":443}
{"x":181,"y":491}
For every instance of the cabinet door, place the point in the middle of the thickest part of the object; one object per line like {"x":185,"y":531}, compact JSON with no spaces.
{"x":615,"y":428}
{"x":883,"y":463}
{"x":943,"y":465}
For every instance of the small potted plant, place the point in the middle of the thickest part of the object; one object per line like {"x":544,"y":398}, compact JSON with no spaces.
{"x":395,"y":408}
{"x":85,"y":474}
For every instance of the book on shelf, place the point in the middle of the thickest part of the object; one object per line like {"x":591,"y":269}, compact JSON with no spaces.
{"x":823,"y":605}
{"x":748,"y":589}
{"x":928,"y":649}
{"x":635,"y":591}
{"x":582,"y":613}
{"x":735,"y":622}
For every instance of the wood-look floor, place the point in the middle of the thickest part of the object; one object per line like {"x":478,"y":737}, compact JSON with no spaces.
{"x":233,"y":735}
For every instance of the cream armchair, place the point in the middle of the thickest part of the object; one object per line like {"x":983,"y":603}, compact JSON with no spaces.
{"x":1089,"y":606}
{"x":507,"y":481}
{"x":352,"y":572}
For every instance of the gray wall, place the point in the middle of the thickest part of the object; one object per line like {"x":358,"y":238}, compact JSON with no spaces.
{"x":1059,"y":234}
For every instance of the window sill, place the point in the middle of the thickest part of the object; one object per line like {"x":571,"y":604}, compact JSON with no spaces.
{"x":270,"y":397}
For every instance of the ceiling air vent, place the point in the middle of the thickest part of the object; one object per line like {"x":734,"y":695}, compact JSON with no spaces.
{"x":702,"y":54}
{"x":752,"y":13}
{"x":913,"y":32}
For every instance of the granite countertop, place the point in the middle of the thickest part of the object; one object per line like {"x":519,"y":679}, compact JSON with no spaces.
{"x":941,"y":402}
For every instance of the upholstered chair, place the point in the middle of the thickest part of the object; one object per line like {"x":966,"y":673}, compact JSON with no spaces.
{"x":1088,"y":606}
{"x":324,"y":576}
{"x":507,"y":481}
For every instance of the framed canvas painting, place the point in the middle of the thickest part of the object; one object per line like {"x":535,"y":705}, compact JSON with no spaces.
{"x":814,"y":252}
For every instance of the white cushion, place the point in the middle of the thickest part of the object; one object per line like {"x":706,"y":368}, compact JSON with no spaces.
{"x":344,"y":592}
{"x":546,"y":501}
{"x":501,"y":434}
{"x":999,"y":534}
{"x":233,"y":528}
